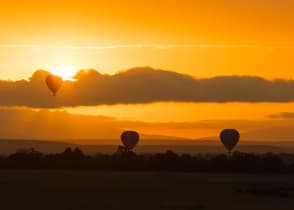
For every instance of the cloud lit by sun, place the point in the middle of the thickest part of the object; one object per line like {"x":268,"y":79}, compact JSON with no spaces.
{"x":66,"y":73}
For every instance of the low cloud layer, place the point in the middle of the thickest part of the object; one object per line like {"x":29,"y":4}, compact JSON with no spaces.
{"x":25,"y":123}
{"x":283,"y":115}
{"x":143,"y":85}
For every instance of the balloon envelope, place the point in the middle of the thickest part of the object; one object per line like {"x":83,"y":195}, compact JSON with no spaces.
{"x":130,"y":139}
{"x":229,"y":138}
{"x":54,"y":83}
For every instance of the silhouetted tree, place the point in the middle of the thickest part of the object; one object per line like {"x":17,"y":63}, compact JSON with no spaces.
{"x":168,"y":161}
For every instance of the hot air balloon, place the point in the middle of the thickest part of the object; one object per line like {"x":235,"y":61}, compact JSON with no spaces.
{"x":130,"y":139}
{"x":54,"y":83}
{"x":229,"y":138}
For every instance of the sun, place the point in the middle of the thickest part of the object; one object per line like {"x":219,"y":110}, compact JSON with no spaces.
{"x":64,"y":72}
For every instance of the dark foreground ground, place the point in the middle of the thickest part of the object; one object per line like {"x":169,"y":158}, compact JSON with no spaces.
{"x":83,"y":190}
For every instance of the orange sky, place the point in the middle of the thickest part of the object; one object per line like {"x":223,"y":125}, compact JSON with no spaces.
{"x":199,"y":38}
{"x":241,"y":37}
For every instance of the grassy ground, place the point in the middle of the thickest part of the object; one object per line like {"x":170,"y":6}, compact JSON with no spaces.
{"x":83,"y":190}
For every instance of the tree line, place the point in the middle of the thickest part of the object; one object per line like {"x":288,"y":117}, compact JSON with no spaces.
{"x":75,"y":159}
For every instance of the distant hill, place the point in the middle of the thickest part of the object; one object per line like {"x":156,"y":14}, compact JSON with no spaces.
{"x":11,"y":145}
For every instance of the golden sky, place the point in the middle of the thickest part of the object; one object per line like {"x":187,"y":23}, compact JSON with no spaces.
{"x":203,"y":39}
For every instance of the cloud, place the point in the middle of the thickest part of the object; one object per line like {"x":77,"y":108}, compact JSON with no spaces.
{"x":143,"y":85}
{"x":139,"y":46}
{"x":282,"y":115}
{"x":25,"y":123}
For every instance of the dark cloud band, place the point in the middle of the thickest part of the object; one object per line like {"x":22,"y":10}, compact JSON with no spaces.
{"x":143,"y":85}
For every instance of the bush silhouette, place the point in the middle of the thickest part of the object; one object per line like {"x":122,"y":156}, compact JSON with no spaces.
{"x":169,"y":161}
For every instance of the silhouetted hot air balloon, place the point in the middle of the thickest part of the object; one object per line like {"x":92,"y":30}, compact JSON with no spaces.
{"x":230,"y":138}
{"x":130,"y":139}
{"x":54,"y":83}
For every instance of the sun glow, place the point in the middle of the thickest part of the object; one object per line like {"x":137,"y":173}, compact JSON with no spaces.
{"x":64,"y":72}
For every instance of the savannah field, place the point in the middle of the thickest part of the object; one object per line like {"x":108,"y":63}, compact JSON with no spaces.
{"x":79,"y":190}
